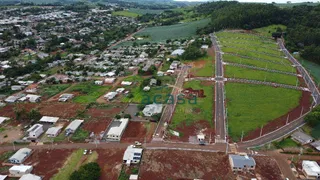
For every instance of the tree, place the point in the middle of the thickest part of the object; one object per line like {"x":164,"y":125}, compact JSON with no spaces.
{"x":127,"y":116}
{"x":117,"y":116}
{"x":20,"y":113}
{"x":90,"y":171}
{"x":34,"y":114}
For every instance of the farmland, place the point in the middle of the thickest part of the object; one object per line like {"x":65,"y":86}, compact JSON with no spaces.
{"x":251,"y":106}
{"x":88,"y":92}
{"x":184,"y":30}
{"x":125,"y":13}
{"x":187,"y":113}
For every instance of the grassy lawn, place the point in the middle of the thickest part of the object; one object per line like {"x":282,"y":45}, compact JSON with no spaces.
{"x":268,"y":30}
{"x":205,"y":70}
{"x":139,"y":95}
{"x":189,"y":113}
{"x":249,"y":47}
{"x":80,"y":135}
{"x":257,"y":63}
{"x":89,"y":92}
{"x":69,"y":165}
{"x":125,"y":13}
{"x":287,"y":143}
{"x":311,"y":67}
{"x":245,"y":73}
{"x":251,"y":106}
{"x":51,"y":90}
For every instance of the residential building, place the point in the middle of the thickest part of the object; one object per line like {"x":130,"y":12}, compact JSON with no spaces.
{"x":311,"y":169}
{"x":73,"y":126}
{"x":98,"y":82}
{"x":49,"y":119}
{"x":301,"y":137}
{"x":33,"y":98}
{"x":177,"y":52}
{"x":109,"y":80}
{"x":20,"y":156}
{"x":315,"y":144}
{"x":241,"y":162}
{"x":35,"y":131}
{"x":18,"y":171}
{"x":152,"y":109}
{"x":126,"y":83}
{"x":110,"y":95}
{"x":2,"y":119}
{"x":53,"y":131}
{"x":17,"y":88}
{"x":120,"y":90}
{"x":116,"y":129}
{"x":65,"y":97}
{"x":132,"y":155}
{"x":153,"y":82}
{"x":30,"y":177}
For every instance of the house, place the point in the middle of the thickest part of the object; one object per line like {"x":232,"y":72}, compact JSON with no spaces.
{"x":98,"y":82}
{"x":20,"y":156}
{"x":17,"y":88}
{"x":53,"y":131}
{"x":174,"y":65}
{"x":152,"y":109}
{"x":160,"y":73}
{"x":126,"y":83}
{"x":315,"y":144}
{"x":152,"y":82}
{"x":133,"y":177}
{"x":14,"y":98}
{"x":301,"y":137}
{"x":35,"y":131}
{"x":204,"y":47}
{"x":18,"y":171}
{"x":311,"y":169}
{"x":120,"y":90}
{"x":30,"y":177}
{"x":111,"y":74}
{"x":116,"y":129}
{"x":33,"y":98}
{"x":109,"y":80}
{"x":65,"y":97}
{"x":110,"y":95}
{"x":177,"y":52}
{"x":241,"y":162}
{"x":73,"y":126}
{"x":49,"y":119}
{"x":3,"y":177}
{"x":132,"y":155}
{"x":147,"y":88}
{"x":2,"y":119}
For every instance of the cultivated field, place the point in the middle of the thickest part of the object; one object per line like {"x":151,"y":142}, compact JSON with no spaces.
{"x":252,"y":106}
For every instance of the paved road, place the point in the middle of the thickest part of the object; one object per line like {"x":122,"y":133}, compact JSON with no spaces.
{"x":307,"y":78}
{"x":169,"y":108}
{"x":220,"y":124}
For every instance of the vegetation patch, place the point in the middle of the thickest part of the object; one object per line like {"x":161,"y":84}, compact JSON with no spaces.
{"x":125,"y":13}
{"x":89,"y":92}
{"x":252,"y":106}
{"x":51,"y":90}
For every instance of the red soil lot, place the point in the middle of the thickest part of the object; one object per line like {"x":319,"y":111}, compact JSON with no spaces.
{"x":281,"y":121}
{"x":267,"y":167}
{"x":137,"y":131}
{"x":97,"y":126}
{"x":110,"y":162}
{"x":46,"y":163}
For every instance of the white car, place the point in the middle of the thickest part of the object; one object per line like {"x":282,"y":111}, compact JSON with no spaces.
{"x":85,"y":152}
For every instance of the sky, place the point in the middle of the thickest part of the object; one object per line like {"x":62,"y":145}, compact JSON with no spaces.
{"x":265,"y":1}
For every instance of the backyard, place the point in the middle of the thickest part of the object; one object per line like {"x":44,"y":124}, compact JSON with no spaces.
{"x":51,"y":90}
{"x":251,"y":106}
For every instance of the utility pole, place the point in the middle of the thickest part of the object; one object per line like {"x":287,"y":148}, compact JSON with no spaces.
{"x":287,"y":119}
{"x":14,"y":147}
{"x":301,"y":111}
{"x":241,"y":136}
{"x":261,"y":131}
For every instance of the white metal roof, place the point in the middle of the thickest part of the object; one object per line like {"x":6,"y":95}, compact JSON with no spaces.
{"x":21,"y":154}
{"x":30,"y":177}
{"x":49,"y":119}
{"x":130,"y":152}
{"x":74,"y":124}
{"x":3,"y":177}
{"x":53,"y":130}
{"x":311,"y":168}
{"x":2,"y":119}
{"x":21,"y":168}
{"x":118,"y":126}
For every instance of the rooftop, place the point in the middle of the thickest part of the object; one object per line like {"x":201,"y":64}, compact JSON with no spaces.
{"x":49,"y":119}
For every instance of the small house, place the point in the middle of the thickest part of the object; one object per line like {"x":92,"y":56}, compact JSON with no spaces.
{"x":17,"y":88}
{"x":116,"y":129}
{"x":315,"y":144}
{"x":73,"y":126}
{"x":98,"y":82}
{"x":160,"y":73}
{"x":49,"y":119}
{"x":53,"y":131}
{"x":241,"y":162}
{"x":147,"y":88}
{"x":152,"y":109}
{"x":126,"y":83}
{"x":132,"y":155}
{"x":311,"y":169}
{"x":120,"y":90}
{"x":110,"y":95}
{"x":33,"y":98}
{"x":30,"y":177}
{"x":35,"y":131}
{"x":20,"y":156}
{"x":18,"y":171}
{"x":301,"y":137}
{"x":65,"y":97}
{"x":153,"y":82}
{"x":177,"y":52}
{"x":109,"y":80}
{"x":205,"y":47}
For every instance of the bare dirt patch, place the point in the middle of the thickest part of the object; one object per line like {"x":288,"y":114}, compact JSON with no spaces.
{"x":304,"y":106}
{"x":267,"y":168}
{"x":62,"y":110}
{"x":46,"y":163}
{"x":97,"y":126}
{"x":110,"y":162}
{"x":138,"y":131}
{"x":165,"y":164}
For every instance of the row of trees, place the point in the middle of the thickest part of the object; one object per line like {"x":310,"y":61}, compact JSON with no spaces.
{"x":303,"y":23}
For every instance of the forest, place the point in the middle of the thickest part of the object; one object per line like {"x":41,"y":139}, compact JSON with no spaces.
{"x":303,"y":22}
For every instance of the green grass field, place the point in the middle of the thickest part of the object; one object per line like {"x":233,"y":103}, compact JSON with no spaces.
{"x":245,"y":73}
{"x":252,"y":47}
{"x":145,"y":11}
{"x":267,"y":31}
{"x":261,"y":64}
{"x":88,"y":92}
{"x":312,"y":67}
{"x":207,"y":70}
{"x":139,"y":95}
{"x":125,"y":13}
{"x":51,"y":90}
{"x":251,"y":106}
{"x":162,"y":33}
{"x":188,"y":113}
{"x":287,"y":143}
